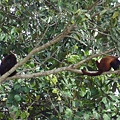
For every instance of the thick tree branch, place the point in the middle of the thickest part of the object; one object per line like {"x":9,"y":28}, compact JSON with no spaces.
{"x":55,"y":71}
{"x":59,"y":37}
{"x":71,"y":68}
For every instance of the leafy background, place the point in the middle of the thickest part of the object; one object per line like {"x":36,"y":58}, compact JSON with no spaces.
{"x":25,"y":25}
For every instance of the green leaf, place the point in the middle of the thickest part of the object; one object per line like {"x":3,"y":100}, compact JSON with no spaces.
{"x":83,"y":91}
{"x":103,"y":11}
{"x":55,"y":90}
{"x":118,"y":118}
{"x":115,"y":14}
{"x":104,"y":100}
{"x":24,"y":114}
{"x":106,"y":117}
{"x":54,"y":80}
{"x":68,"y":112}
{"x":73,"y":58}
{"x":17,"y":98}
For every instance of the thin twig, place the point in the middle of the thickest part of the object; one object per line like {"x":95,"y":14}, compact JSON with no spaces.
{"x":90,"y":57}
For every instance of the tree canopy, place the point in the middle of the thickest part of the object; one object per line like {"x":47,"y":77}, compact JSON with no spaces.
{"x":53,"y":40}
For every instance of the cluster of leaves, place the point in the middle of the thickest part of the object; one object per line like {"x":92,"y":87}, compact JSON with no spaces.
{"x":25,"y":25}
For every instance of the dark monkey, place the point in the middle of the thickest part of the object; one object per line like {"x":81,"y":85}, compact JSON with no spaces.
{"x":7,"y":63}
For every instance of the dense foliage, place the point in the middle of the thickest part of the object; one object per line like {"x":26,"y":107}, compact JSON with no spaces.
{"x":65,"y":95}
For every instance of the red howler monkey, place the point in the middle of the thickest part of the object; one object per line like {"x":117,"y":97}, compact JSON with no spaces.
{"x":7,"y":63}
{"x":105,"y":65}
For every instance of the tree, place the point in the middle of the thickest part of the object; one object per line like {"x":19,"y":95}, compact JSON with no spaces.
{"x":53,"y":40}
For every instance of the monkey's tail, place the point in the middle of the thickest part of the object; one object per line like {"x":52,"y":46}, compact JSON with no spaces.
{"x":91,"y":73}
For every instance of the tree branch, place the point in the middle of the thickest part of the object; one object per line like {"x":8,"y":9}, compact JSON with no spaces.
{"x":77,"y":65}
{"x":55,"y":71}
{"x":59,"y":37}
{"x":70,"y":68}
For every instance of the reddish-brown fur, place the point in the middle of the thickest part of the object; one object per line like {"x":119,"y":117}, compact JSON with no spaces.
{"x":105,"y":65}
